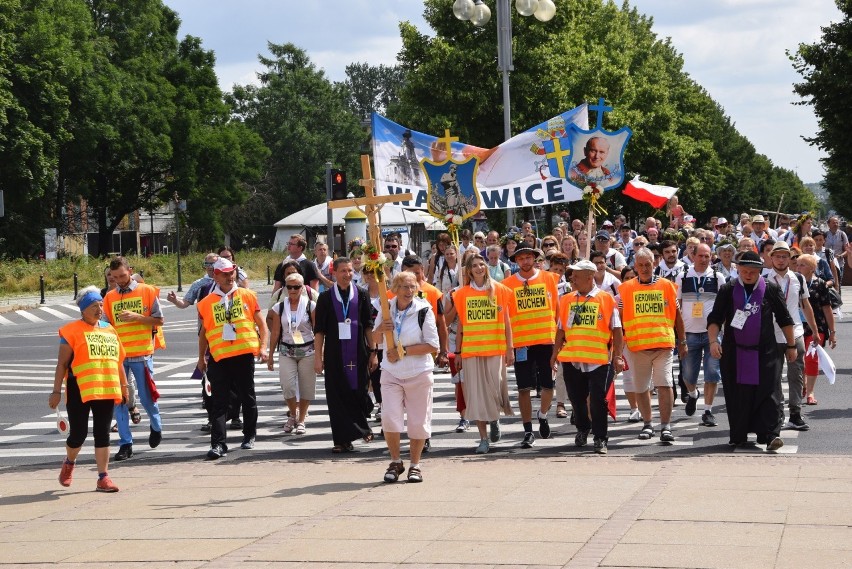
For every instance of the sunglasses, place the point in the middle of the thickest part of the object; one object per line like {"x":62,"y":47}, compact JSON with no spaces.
{"x":293,"y":287}
{"x":548,"y":244}
{"x":208,"y":263}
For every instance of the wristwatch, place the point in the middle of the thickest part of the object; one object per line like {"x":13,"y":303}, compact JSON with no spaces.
{"x":789,"y":347}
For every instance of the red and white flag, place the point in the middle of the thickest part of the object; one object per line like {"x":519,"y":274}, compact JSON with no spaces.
{"x":657,"y":196}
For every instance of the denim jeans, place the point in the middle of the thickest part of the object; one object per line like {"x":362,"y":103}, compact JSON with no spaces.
{"x":698,"y":350}
{"x":122,"y":414}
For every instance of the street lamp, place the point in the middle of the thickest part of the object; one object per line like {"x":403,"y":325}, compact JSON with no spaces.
{"x":479,"y":15}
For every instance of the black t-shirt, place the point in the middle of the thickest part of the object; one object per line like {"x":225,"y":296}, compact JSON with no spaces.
{"x":309,"y":272}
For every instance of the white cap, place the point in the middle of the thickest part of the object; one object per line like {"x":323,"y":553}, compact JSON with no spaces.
{"x":583,"y":265}
{"x":223,"y":266}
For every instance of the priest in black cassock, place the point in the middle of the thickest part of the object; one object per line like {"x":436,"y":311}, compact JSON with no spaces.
{"x":745,"y":308}
{"x":343,"y":329}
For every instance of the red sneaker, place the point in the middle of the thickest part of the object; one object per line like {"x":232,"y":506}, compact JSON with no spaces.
{"x":66,"y":474}
{"x":106,"y":485}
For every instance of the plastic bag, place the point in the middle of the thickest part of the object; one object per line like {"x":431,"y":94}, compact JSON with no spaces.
{"x":826,"y":364}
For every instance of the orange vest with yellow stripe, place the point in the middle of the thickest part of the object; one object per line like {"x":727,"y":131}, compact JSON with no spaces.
{"x":648,"y":314}
{"x":137,"y":339}
{"x":483,"y":325}
{"x":586,"y":323}
{"x":98,"y":354}
{"x":241,"y":318}
{"x":533,"y":308}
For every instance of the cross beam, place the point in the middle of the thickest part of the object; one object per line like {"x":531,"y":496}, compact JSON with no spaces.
{"x":372,"y":203}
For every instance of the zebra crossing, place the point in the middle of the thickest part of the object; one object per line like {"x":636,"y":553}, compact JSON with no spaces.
{"x":65,"y":312}
{"x":182,"y":415}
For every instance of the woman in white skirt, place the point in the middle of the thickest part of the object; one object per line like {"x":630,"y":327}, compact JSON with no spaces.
{"x":292,"y":334}
{"x":407,"y":380}
{"x":484,"y":344}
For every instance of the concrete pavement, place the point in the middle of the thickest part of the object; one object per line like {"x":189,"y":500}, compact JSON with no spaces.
{"x":572,"y":510}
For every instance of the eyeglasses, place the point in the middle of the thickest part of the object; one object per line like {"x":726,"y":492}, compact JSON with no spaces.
{"x":391,"y":246}
{"x":208,"y":263}
{"x":293,"y":287}
{"x":602,"y":239}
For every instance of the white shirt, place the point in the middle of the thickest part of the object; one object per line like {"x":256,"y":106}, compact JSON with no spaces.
{"x":688,"y":295}
{"x":670,"y":273}
{"x":615,"y":260}
{"x":794,"y":295}
{"x":409,"y":333}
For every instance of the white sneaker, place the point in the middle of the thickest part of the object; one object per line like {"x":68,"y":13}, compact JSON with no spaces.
{"x":635,"y":416}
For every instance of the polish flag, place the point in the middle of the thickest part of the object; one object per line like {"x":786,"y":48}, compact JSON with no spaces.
{"x":657,"y":196}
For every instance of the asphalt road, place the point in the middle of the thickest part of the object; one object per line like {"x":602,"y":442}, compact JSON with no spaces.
{"x":28,"y":436}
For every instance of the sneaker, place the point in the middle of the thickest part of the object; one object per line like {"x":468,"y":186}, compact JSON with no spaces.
{"x":206,"y":427}
{"x":236,"y":423}
{"x":775,"y":444}
{"x":635,"y":416}
{"x":393,"y":471}
{"x":483,"y":447}
{"x":708,"y":420}
{"x":582,"y":438}
{"x":124,"y":452}
{"x":290,"y":424}
{"x":529,"y":440}
{"x":155,"y":438}
{"x":66,"y":474}
{"x":691,"y":402}
{"x":600,"y":446}
{"x":495,"y":432}
{"x":666,"y":436}
{"x":543,"y":427}
{"x":248,"y":443}
{"x":217,"y":451}
{"x":106,"y":485}
{"x":463,"y":425}
{"x":796,"y":422}
{"x":300,"y":429}
{"x":427,"y":446}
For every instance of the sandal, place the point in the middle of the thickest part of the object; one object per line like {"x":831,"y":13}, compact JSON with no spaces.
{"x":646,"y":433}
{"x":338,"y":449}
{"x":135,"y":416}
{"x":414,"y":474}
{"x":561,"y":413}
{"x":369,"y":438}
{"x":114,"y":428}
{"x":393,"y":471}
{"x":811,"y":400}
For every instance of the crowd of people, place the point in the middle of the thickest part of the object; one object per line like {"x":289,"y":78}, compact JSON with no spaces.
{"x":569,"y":310}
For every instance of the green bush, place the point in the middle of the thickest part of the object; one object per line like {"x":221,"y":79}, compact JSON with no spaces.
{"x":18,"y":276}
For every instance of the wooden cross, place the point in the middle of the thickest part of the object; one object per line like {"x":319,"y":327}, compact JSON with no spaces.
{"x":372,"y":204}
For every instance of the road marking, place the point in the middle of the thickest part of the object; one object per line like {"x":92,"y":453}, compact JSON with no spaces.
{"x":5,"y":321}
{"x":28,"y":316}
{"x":56,"y":313}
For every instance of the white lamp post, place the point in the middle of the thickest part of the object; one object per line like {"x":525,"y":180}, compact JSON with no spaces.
{"x":479,"y":15}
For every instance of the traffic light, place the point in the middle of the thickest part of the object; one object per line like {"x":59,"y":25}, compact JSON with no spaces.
{"x":338,"y":185}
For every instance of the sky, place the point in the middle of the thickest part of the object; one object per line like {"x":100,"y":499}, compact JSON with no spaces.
{"x":735,"y":49}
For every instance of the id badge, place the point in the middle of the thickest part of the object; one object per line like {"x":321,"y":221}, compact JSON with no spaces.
{"x":229,"y":332}
{"x":521,"y":354}
{"x":571,"y":317}
{"x":344,"y":331}
{"x":297,"y":337}
{"x":698,"y":310}
{"x":739,"y":319}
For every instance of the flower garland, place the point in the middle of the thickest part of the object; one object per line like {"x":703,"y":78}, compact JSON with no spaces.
{"x":356,"y":243}
{"x":373,"y":260}
{"x":591,"y":194}
{"x":453,"y":222}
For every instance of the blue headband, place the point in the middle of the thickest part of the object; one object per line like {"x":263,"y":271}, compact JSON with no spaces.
{"x":89,"y":298}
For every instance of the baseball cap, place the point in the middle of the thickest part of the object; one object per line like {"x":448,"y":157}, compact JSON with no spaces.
{"x":607,"y":223}
{"x":583,"y":265}
{"x":223,"y":266}
{"x":721,"y":221}
{"x":602,"y":235}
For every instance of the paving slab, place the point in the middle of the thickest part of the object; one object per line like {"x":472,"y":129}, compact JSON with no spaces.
{"x":698,"y":556}
{"x":155,"y":550}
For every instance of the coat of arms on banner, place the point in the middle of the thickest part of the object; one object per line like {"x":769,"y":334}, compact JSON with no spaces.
{"x":452,"y":194}
{"x":597,"y":155}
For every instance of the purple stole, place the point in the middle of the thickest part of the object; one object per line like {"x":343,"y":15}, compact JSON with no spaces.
{"x":348,"y":348}
{"x":748,"y":339}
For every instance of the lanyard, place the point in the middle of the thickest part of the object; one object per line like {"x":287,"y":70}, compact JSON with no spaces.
{"x":699,"y":286}
{"x":399,"y":319}
{"x":345,"y":305}
{"x":577,"y":310}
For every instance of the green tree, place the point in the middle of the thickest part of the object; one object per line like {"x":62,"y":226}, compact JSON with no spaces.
{"x":825,"y":67}
{"x":304,"y":120}
{"x":590,"y":49}
{"x":372,"y":88}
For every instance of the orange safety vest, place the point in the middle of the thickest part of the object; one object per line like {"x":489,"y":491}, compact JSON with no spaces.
{"x":648,"y":314}
{"x":482,"y":322}
{"x":533,"y":308}
{"x":98,"y":354}
{"x":586,"y":323}
{"x":137,"y":339}
{"x":213,"y":314}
